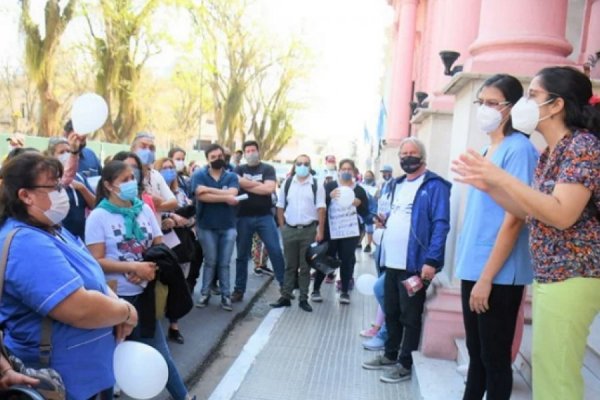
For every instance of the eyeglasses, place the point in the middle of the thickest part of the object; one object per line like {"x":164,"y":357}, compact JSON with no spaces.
{"x":490,"y":103}
{"x":299,"y":164}
{"x":58,"y":187}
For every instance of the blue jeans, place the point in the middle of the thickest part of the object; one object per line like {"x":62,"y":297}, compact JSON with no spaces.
{"x":175,"y":384}
{"x":217,"y":246}
{"x":378,"y":290}
{"x":267,"y":231}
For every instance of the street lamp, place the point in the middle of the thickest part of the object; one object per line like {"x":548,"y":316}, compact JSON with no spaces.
{"x":449,"y":57}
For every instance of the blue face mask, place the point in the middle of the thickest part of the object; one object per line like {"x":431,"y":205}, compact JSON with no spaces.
{"x":346,"y":176}
{"x":146,"y":156}
{"x":302,"y":171}
{"x":169,"y":174}
{"x":128,"y":190}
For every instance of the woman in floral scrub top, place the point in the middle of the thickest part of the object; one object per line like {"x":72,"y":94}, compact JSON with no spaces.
{"x":562,"y":209}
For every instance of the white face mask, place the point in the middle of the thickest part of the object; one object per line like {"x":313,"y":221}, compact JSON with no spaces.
{"x":488,"y":118}
{"x":59,"y":206}
{"x":179,"y":165}
{"x":525,"y":115}
{"x":63,"y":158}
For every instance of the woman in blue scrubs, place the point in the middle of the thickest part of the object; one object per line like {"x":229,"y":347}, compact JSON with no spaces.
{"x":50,"y":274}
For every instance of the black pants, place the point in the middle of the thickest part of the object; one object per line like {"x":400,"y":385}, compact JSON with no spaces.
{"x":344,"y":250}
{"x":403,"y":317}
{"x":489,"y":341}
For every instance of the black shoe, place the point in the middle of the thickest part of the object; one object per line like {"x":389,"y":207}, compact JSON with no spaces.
{"x":237,"y":296}
{"x":175,"y":336}
{"x":305,"y":306}
{"x":282,"y":302}
{"x":367,"y":248}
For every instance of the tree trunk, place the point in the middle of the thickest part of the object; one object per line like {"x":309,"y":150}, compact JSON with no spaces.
{"x":49,"y":124}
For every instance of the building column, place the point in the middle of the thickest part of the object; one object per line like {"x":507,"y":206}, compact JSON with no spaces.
{"x":590,"y":39}
{"x":455,"y":25}
{"x":520,"y":37}
{"x":404,"y":49}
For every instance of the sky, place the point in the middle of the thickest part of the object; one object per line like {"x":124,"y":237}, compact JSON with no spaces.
{"x":347,"y":38}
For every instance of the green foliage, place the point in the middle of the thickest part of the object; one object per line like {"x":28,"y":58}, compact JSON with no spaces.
{"x":230,"y":71}
{"x":121,"y":53}
{"x":250,"y":78}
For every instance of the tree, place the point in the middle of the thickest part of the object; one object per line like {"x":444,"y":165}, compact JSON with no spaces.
{"x":250,"y":80}
{"x":193,"y":98}
{"x":40,"y":58}
{"x":121,"y":54}
{"x":268,"y":113}
{"x":19,"y":99}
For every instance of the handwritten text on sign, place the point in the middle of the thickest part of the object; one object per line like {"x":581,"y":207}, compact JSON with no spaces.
{"x":343,"y":221}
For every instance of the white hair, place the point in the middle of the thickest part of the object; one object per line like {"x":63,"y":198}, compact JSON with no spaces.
{"x":417,"y":143}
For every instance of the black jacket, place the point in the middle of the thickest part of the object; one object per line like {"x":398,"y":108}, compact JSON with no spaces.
{"x":179,"y":299}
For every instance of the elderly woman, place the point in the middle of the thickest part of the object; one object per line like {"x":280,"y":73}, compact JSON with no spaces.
{"x":561,"y":207}
{"x":50,"y":274}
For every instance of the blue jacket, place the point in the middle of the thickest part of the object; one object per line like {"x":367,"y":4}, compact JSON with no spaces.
{"x":430,"y":222}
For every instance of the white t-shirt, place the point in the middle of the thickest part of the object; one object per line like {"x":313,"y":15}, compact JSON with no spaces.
{"x":395,"y":238}
{"x":105,"y":227}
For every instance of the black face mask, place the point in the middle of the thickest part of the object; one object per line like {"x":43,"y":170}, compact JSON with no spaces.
{"x":217,"y":164}
{"x":410,"y":164}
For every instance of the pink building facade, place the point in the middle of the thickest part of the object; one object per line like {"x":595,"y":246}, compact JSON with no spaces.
{"x":517,"y":37}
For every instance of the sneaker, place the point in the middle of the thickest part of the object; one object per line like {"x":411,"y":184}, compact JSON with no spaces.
{"x":379,"y":362}
{"x":175,"y":335}
{"x":316,"y":296}
{"x":237,"y":296}
{"x":203,"y":302}
{"x":265,"y":270}
{"x":367,"y":248}
{"x":215,"y":290}
{"x":369,"y":333}
{"x":344,"y":298}
{"x":330,"y":278}
{"x":226,"y":304}
{"x":374,"y":344}
{"x":395,"y":375}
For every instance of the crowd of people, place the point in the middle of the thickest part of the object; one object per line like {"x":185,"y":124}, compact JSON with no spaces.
{"x":120,"y":246}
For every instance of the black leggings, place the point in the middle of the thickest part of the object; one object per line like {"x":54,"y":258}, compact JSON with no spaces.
{"x":489,"y":341}
{"x":344,"y":250}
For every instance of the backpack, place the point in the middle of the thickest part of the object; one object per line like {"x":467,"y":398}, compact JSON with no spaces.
{"x":286,"y":189}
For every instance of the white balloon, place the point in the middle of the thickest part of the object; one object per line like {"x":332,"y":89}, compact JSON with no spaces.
{"x":140,"y":370}
{"x":89,"y":113}
{"x":365,"y":284}
{"x":346,"y":196}
{"x":377,"y":235}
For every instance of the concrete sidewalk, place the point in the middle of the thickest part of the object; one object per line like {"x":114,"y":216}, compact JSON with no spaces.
{"x":295,"y":355}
